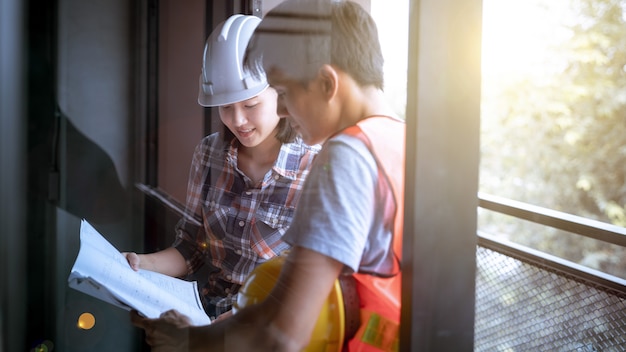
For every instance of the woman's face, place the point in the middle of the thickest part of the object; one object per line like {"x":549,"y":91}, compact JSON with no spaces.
{"x":254,"y":120}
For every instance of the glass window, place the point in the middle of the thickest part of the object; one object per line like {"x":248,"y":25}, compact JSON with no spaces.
{"x":553,"y":118}
{"x":393,"y":31}
{"x":180,"y":117}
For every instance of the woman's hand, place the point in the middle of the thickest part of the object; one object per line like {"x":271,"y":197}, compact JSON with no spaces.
{"x":133,"y":260}
{"x":168,"y":262}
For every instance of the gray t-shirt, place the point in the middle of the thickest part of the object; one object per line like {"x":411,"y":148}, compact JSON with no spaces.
{"x":340,"y":213}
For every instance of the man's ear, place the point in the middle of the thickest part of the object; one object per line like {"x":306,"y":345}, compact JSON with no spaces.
{"x":329,"y":80}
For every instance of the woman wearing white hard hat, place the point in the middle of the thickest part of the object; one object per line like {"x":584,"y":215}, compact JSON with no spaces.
{"x":244,"y":183}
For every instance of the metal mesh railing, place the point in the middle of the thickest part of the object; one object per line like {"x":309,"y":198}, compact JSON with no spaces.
{"x":528,"y":307}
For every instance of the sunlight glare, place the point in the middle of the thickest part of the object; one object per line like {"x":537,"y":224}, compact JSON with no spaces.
{"x":518,"y":36}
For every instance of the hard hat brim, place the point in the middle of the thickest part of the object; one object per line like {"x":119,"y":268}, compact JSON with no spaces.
{"x":229,"y":97}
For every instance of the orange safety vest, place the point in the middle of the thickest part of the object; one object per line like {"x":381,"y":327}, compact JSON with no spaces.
{"x":379,"y":296}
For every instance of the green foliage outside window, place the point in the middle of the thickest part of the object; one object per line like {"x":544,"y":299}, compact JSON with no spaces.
{"x":553,"y":119}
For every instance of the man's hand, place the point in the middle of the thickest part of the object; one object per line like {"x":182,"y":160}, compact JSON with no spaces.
{"x":168,"y":333}
{"x":223,"y":316}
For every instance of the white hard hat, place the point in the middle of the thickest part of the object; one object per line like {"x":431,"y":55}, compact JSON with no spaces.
{"x":223,"y":80}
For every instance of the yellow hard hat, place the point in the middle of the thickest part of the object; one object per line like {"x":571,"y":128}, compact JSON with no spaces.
{"x":329,"y":333}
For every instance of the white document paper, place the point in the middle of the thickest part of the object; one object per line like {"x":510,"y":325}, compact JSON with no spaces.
{"x":101,"y":271}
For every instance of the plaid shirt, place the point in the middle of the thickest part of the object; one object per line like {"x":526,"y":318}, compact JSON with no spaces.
{"x":230,"y":225}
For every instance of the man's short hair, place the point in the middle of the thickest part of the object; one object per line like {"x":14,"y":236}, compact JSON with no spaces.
{"x":299,"y":36}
